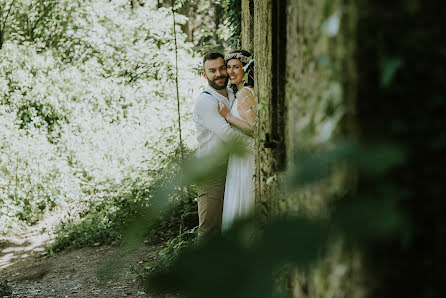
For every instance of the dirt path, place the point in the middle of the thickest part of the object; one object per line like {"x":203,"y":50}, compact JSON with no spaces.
{"x":30,"y":272}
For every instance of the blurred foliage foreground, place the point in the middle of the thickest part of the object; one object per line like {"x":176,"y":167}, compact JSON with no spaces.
{"x":245,"y":261}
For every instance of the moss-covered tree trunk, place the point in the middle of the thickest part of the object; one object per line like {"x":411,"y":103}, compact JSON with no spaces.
{"x":306,"y":87}
{"x":367,"y":71}
{"x":263,"y":55}
{"x":305,"y":84}
{"x":247,"y":32}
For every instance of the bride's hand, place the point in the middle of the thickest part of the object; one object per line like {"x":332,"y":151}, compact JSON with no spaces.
{"x":223,"y":110}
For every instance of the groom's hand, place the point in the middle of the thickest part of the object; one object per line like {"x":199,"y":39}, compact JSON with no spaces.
{"x":223,"y":110}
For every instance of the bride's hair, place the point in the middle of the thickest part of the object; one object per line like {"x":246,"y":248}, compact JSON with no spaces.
{"x":243,"y":56}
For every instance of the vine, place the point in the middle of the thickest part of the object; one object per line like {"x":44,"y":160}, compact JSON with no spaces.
{"x":233,"y":13}
{"x":176,"y":78}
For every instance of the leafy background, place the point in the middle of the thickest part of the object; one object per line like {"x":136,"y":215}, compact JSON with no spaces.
{"x":88,"y":101}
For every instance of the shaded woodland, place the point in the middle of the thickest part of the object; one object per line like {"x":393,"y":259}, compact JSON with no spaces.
{"x":350,"y":133}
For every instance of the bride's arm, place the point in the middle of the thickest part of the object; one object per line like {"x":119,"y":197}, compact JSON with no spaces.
{"x":246,"y":105}
{"x":237,"y":122}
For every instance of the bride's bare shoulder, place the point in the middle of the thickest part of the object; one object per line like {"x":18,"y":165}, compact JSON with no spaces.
{"x":244,"y":92}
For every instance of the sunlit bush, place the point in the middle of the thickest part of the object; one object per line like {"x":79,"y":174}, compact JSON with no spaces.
{"x":73,"y":130}
{"x":109,"y":220}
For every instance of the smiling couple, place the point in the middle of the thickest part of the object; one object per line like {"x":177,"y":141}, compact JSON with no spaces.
{"x":223,"y":113}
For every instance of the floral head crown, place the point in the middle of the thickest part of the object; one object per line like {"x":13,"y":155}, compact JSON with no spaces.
{"x":244,"y":59}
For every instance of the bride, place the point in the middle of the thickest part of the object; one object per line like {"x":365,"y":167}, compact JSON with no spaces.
{"x":239,"y":189}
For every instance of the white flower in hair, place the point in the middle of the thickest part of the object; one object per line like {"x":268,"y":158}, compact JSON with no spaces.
{"x":239,"y":56}
{"x":247,"y":65}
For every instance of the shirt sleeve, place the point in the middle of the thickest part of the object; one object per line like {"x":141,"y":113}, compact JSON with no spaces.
{"x":207,"y":109}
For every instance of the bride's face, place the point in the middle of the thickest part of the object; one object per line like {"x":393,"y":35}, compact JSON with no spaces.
{"x":235,"y":71}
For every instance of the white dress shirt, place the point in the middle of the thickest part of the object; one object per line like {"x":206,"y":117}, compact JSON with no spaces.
{"x":212,"y":129}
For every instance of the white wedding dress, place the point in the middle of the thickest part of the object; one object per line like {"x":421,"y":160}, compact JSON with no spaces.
{"x":239,"y":188}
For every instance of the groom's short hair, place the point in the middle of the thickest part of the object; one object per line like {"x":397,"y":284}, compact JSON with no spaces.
{"x":212,"y":56}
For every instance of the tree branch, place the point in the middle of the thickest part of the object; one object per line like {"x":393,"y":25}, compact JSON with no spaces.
{"x":45,"y":12}
{"x":3,"y":25}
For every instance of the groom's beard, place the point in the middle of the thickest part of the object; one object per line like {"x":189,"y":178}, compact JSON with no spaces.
{"x":216,"y":86}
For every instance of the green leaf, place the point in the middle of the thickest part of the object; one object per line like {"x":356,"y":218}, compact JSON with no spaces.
{"x":245,"y":78}
{"x":389,"y":66}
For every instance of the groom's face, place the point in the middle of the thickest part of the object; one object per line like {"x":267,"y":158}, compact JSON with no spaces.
{"x":216,"y":74}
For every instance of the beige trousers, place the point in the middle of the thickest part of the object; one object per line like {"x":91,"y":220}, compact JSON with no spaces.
{"x":210,"y":206}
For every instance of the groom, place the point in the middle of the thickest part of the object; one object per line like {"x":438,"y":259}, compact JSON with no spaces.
{"x":212,"y":133}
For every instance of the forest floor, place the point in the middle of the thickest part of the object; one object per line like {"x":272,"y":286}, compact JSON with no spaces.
{"x":30,"y":272}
